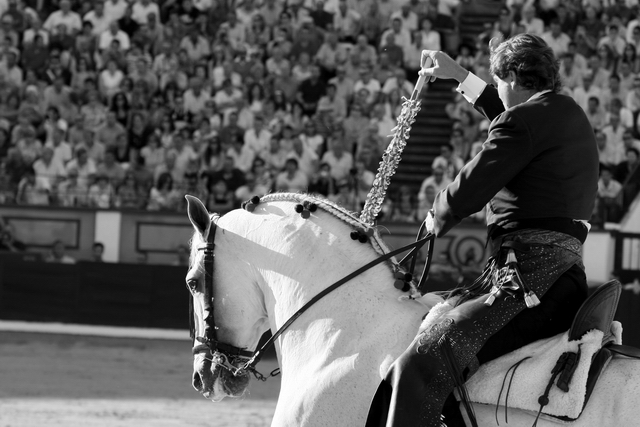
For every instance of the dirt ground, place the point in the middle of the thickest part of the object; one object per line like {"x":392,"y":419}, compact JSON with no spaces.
{"x":80,"y":381}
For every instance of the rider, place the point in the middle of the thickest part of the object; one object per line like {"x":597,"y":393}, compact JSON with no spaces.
{"x":537,"y":174}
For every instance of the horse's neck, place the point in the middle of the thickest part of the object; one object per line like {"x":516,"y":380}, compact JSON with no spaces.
{"x":340,"y":346}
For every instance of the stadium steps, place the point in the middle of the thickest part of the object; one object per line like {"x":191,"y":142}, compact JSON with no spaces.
{"x":432,"y":127}
{"x":473,"y":17}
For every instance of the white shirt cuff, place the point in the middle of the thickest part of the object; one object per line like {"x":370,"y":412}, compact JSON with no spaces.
{"x":471,"y":88}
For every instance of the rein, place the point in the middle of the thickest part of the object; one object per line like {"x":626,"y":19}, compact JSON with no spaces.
{"x":225,"y":355}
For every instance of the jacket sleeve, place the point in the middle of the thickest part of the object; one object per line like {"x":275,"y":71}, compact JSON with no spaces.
{"x":507,"y":150}
{"x":489,"y":103}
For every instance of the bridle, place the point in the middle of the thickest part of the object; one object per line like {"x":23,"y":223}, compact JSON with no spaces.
{"x":227,"y":356}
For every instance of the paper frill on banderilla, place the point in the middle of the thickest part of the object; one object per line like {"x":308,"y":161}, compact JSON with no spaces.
{"x":390,"y":160}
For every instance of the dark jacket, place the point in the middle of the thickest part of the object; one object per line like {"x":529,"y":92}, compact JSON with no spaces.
{"x":540,"y":161}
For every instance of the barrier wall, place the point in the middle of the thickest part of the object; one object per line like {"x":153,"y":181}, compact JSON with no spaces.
{"x":134,"y":294}
{"x":93,"y":293}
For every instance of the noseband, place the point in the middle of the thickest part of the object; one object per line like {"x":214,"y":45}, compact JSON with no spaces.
{"x":228,"y":356}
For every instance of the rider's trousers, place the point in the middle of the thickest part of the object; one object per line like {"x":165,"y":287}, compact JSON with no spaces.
{"x":420,"y":380}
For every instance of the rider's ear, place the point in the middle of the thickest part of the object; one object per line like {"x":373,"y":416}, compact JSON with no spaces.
{"x":198,"y":215}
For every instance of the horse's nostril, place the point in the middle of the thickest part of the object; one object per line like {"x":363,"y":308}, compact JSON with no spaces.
{"x":197,"y":381}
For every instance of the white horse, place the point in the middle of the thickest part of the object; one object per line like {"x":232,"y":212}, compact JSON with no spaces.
{"x":271,"y":261}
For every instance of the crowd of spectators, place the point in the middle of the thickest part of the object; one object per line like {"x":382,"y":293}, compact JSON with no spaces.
{"x":597,"y":44}
{"x":132,"y":104}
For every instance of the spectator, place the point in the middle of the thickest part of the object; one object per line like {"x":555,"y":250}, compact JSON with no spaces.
{"x":258,"y":137}
{"x":323,"y":182}
{"x":609,"y":200}
{"x":370,"y":146}
{"x":65,"y":16}
{"x":385,"y":123}
{"x":94,"y":112}
{"x":196,"y":46}
{"x":29,"y":147}
{"x":626,"y":168}
{"x":438,"y":181}
{"x":628,"y":141}
{"x":97,"y":252}
{"x":30,"y":34}
{"x":312,"y":139}
{"x":9,"y":111}
{"x":613,"y":90}
{"x":361,"y":180}
{"x":398,"y":81}
{"x":109,"y":132}
{"x":141,"y":9}
{"x":114,"y":32}
{"x":228,"y":100}
{"x":599,"y":72}
{"x":404,"y":206}
{"x":109,"y":81}
{"x":614,"y":41}
{"x":145,"y":75}
{"x":330,"y":54}
{"x":71,"y":192}
{"x":426,"y":197}
{"x":49,"y":170}
{"x":581,"y":94}
{"x":532,"y":24}
{"x":570,"y":74}
{"x":128,"y":195}
{"x":98,"y":19}
{"x":115,"y":9}
{"x":35,"y":55}
{"x":556,"y":39}
{"x":221,"y":198}
{"x":31,"y":191}
{"x":233,"y":176}
{"x":101,"y":194}
{"x":401,"y":35}
{"x":291,"y":179}
{"x":195,"y":97}
{"x":111,"y":169}
{"x":58,"y":251}
{"x":346,"y":22}
{"x":615,"y":131}
{"x":10,"y":71}
{"x":306,"y":157}
{"x":448,"y":161}
{"x":8,"y":241}
{"x":595,"y":113}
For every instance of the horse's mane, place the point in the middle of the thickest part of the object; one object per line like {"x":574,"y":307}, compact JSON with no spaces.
{"x":332,"y":208}
{"x":340,"y":212}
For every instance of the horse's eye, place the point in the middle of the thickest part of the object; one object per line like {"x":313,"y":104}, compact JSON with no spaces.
{"x":192,"y":284}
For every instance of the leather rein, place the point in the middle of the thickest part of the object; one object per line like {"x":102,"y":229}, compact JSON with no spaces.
{"x":228,"y":356}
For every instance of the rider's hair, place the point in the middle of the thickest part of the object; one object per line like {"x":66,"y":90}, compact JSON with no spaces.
{"x":532,"y":61}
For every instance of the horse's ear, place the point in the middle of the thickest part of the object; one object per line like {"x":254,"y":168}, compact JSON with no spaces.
{"x":198,"y":215}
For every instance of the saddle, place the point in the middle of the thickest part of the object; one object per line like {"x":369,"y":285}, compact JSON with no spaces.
{"x":573,"y":362}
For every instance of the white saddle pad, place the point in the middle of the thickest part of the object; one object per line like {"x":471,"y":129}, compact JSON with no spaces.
{"x":532,"y":375}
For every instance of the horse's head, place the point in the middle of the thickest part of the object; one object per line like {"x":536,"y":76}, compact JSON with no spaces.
{"x":226,"y":319}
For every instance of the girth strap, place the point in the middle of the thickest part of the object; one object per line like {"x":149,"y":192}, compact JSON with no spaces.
{"x":625,"y":350}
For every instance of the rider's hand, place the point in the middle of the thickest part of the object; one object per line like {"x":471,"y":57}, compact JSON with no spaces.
{"x":437,"y":64}
{"x":429,"y":222}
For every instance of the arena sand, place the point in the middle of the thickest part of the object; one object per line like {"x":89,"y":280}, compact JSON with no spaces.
{"x":84,"y":381}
